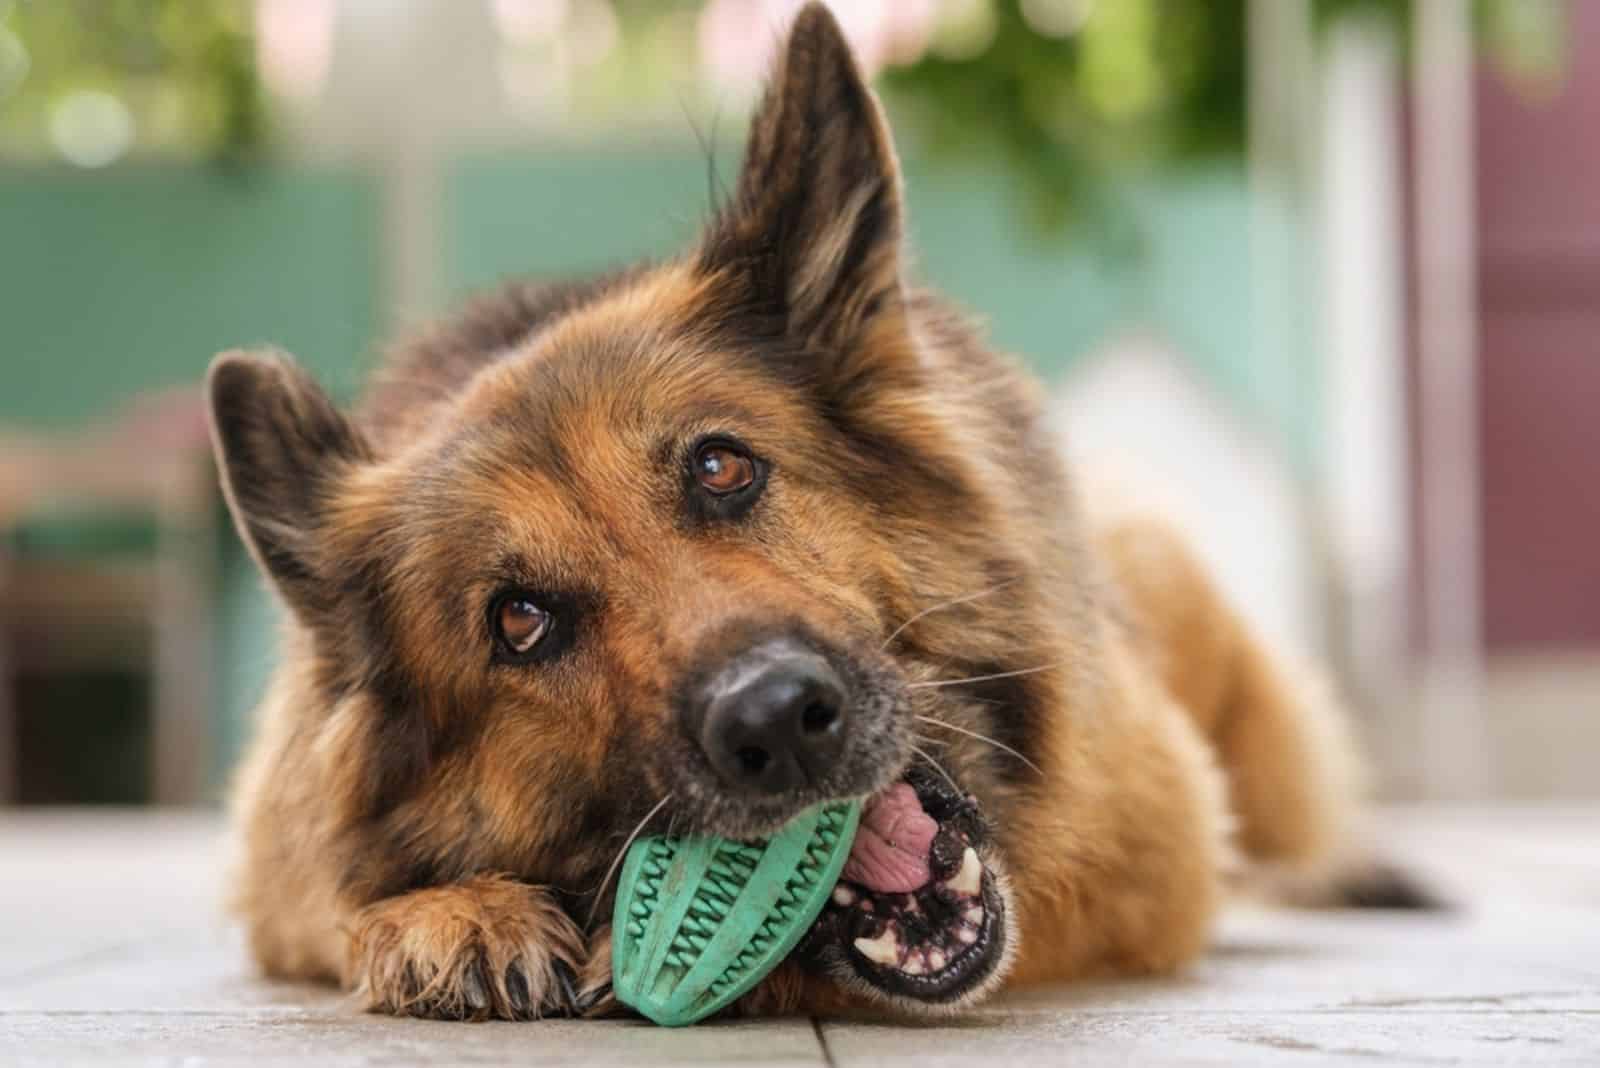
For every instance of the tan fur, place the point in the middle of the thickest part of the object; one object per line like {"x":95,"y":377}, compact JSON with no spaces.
{"x":1293,"y":776}
{"x":432,"y":828}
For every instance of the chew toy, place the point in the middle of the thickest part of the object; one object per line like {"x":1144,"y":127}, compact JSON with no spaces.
{"x":699,"y":921}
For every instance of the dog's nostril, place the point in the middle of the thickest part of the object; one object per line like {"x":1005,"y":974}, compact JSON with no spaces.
{"x":818,"y":717}
{"x":753,"y":760}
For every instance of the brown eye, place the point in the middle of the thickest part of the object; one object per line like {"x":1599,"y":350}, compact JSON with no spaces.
{"x":520,"y":623}
{"x":722,"y":469}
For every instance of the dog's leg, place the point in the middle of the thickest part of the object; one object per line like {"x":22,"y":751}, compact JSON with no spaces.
{"x":1293,"y":776}
{"x":1295,"y":779}
{"x":1291,"y":769}
{"x":1117,"y":869}
{"x":1297,"y":784}
{"x":486,"y":947}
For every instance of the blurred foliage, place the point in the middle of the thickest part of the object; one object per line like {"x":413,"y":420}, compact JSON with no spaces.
{"x":170,"y":77}
{"x":1070,"y":95}
{"x":647,"y":76}
{"x":1133,"y":83}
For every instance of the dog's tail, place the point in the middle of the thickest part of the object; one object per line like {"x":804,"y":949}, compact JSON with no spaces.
{"x":1359,"y":879}
{"x":1380,"y":884}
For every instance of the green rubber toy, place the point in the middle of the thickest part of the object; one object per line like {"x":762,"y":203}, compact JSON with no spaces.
{"x":699,"y":921}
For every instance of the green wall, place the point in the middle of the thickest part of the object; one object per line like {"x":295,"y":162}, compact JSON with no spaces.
{"x":111,"y":283}
{"x":566,"y":212}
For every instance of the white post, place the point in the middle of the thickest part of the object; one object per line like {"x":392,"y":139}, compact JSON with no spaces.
{"x":1452,"y":729}
{"x":1366,"y":469}
{"x":372,"y":108}
{"x":1282,"y":153}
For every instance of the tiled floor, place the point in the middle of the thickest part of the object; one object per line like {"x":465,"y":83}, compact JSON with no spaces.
{"x":112,"y":951}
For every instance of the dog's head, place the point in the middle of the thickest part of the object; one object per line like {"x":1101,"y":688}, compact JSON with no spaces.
{"x":667,"y":552}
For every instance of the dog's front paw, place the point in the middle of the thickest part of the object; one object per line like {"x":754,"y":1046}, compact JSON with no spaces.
{"x":486,"y":948}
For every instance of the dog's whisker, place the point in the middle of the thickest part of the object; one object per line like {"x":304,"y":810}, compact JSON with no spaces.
{"x":940,"y":607}
{"x":926,"y":740}
{"x":980,"y":678}
{"x":939,"y":768}
{"x":599,"y":892}
{"x":1004,"y":748}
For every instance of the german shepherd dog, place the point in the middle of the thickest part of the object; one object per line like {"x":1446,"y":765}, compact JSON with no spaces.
{"x":695,"y":545}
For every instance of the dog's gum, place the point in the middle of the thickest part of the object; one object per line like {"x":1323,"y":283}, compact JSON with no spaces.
{"x":944,"y":857}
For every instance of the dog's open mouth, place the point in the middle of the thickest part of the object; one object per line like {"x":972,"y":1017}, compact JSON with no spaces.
{"x":917,"y":914}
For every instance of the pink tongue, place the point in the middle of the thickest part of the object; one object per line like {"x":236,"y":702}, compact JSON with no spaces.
{"x":890,"y":854}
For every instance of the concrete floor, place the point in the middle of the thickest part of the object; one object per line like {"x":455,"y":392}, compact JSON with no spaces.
{"x":112,"y":951}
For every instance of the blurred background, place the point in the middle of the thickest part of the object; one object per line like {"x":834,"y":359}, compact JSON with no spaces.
{"x":1323,"y":275}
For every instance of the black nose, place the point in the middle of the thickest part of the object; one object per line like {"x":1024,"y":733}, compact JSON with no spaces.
{"x":772,"y":719}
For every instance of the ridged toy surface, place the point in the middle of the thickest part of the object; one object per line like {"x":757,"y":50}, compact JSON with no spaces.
{"x":700,"y":921}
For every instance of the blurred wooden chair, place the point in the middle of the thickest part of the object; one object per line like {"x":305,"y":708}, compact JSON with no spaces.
{"x":108,"y":559}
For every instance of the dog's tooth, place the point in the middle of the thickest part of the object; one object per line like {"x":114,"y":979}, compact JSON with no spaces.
{"x":967,"y":935}
{"x":936,"y":959}
{"x":914,"y":966}
{"x":969,"y":880}
{"x":885,"y":949}
{"x":843,"y":896}
{"x":973,"y":914}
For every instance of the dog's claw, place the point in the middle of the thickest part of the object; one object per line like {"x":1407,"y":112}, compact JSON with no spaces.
{"x":593,"y":998}
{"x":517,"y":990}
{"x":475,"y":991}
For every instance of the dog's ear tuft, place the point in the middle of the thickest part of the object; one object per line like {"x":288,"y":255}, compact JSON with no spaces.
{"x":811,"y":236}
{"x":279,"y":443}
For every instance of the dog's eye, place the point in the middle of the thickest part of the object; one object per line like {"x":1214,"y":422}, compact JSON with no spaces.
{"x":519,"y":623}
{"x":722,"y":469}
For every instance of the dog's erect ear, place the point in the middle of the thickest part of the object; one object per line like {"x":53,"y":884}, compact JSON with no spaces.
{"x":812,"y":234}
{"x":280,"y":443}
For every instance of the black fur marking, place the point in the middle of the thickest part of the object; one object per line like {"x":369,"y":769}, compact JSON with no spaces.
{"x":1013,"y":711}
{"x":889,"y":472}
{"x":1382,"y":886}
{"x":597,"y":818}
{"x":487,"y":330}
{"x":407,"y":739}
